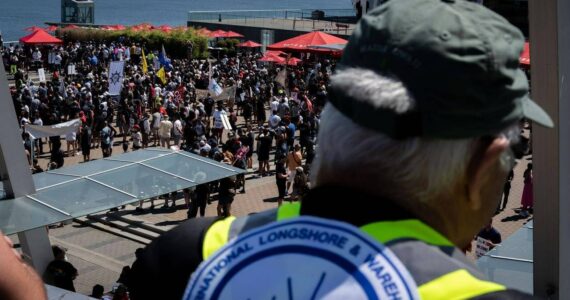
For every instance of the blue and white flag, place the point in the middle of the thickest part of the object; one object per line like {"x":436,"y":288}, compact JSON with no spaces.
{"x":163,"y":59}
{"x":127,"y":53}
{"x":116,"y":77}
{"x":215,"y":88}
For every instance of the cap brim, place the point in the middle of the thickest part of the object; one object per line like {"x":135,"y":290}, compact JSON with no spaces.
{"x":535,"y":113}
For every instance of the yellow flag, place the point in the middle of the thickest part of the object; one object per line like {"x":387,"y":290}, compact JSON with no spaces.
{"x":144,"y":63}
{"x":162,"y":75}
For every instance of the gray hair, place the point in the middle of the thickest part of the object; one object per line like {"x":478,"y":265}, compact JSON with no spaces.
{"x":414,"y":169}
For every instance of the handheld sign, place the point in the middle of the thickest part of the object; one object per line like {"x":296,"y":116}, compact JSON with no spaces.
{"x":302,"y":258}
{"x":71,"y":70}
{"x":42,"y":74}
{"x":482,"y":247}
{"x":226,"y":122}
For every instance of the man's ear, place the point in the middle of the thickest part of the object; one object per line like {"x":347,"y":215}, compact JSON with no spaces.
{"x":483,"y":162}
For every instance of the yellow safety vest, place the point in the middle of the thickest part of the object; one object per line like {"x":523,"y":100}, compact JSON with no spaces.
{"x":452,"y":282}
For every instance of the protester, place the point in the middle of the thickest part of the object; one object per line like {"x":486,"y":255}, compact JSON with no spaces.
{"x":300,"y":184}
{"x":294,"y":161}
{"x":107,"y":135}
{"x":281,"y":180}
{"x":265,"y":140}
{"x":164,"y":131}
{"x":491,"y":234}
{"x":200,"y":200}
{"x":506,"y":191}
{"x":86,"y":142}
{"x":60,"y":272}
{"x":226,"y":193}
{"x":218,"y":116}
{"x":137,"y":138}
{"x":97,"y":292}
{"x":527,"y":196}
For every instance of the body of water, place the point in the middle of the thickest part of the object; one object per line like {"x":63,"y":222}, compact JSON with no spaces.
{"x":15,"y":15}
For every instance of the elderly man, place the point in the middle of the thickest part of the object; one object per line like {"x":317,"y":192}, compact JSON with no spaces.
{"x":426,"y":98}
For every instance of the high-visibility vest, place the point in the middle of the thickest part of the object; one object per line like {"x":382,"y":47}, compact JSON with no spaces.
{"x":440,"y":270}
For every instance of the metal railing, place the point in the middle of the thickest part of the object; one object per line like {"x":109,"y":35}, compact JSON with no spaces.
{"x":275,"y":13}
{"x":334,"y":21}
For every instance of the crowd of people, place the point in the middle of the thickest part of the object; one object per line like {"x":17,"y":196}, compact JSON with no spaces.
{"x":277,"y":121}
{"x":150,"y":111}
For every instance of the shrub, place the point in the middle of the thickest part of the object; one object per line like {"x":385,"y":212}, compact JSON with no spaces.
{"x":175,"y":42}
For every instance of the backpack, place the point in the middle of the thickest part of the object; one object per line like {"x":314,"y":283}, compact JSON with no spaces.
{"x":106,"y":136}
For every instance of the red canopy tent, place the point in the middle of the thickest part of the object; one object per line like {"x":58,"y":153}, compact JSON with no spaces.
{"x":217,"y":34}
{"x":71,"y":26}
{"x":52,"y":28}
{"x":275,"y":53}
{"x":249,"y":44}
{"x":40,"y":37}
{"x":524,"y":59}
{"x":233,"y":34}
{"x":302,"y":42}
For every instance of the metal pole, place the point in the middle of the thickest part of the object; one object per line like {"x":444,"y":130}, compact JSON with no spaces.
{"x":550,"y":43}
{"x":18,"y":177}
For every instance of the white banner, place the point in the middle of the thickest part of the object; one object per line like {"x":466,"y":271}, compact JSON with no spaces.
{"x":42,"y":74}
{"x":228,"y":93}
{"x":53,"y":130}
{"x":116,"y":77}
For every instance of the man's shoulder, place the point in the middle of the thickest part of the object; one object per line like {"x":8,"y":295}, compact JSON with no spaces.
{"x":169,"y":260}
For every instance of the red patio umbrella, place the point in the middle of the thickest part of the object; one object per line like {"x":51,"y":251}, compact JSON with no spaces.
{"x":71,"y":26}
{"x":119,"y":27}
{"x":293,"y":61}
{"x":233,"y":34}
{"x":275,"y":53}
{"x":271,"y":58}
{"x":33,"y":28}
{"x":524,"y":59}
{"x":40,"y":37}
{"x":204,"y":32}
{"x":51,"y":28}
{"x":249,"y":44}
{"x":302,"y":42}
{"x":218,"y":34}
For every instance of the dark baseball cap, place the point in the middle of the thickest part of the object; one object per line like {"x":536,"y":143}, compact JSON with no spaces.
{"x":458,"y":59}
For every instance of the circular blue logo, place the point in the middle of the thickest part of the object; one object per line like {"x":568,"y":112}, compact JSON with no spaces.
{"x":302,"y":258}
